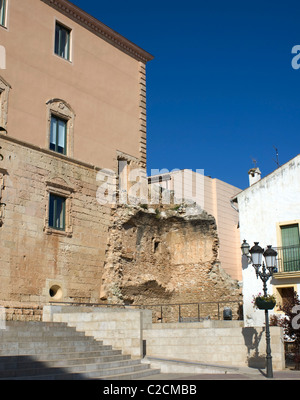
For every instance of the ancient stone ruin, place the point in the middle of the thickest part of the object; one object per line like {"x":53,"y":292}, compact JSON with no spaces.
{"x":165,"y":256}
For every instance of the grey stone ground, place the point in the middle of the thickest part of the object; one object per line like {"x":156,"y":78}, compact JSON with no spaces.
{"x":242,"y":374}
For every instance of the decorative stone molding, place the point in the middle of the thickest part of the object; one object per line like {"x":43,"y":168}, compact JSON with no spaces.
{"x":60,"y":187}
{"x":61,"y":109}
{"x":143,"y":115}
{"x":134,"y":169}
{"x":3,"y":172}
{"x":4,"y":92}
{"x":99,"y":29}
{"x":131,"y":159}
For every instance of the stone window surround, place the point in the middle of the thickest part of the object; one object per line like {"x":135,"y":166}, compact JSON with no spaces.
{"x":63,"y":110}
{"x":60,"y":187}
{"x":3,"y":172}
{"x":4,"y":92}
{"x":276,"y":291}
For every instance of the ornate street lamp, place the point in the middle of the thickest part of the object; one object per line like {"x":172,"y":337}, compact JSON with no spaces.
{"x":265,"y":272}
{"x":245,"y":248}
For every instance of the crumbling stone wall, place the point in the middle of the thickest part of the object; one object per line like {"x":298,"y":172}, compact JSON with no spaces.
{"x":164,"y":256}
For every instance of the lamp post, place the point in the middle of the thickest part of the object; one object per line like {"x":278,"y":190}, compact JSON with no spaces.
{"x":265,"y":272}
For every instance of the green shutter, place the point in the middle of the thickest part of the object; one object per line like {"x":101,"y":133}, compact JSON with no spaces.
{"x":290,"y":235}
{"x":291,"y":247}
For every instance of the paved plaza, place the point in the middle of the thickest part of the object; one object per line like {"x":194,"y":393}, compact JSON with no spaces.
{"x":242,"y":374}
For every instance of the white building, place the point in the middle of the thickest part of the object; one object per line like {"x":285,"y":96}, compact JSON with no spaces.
{"x":269,"y":213}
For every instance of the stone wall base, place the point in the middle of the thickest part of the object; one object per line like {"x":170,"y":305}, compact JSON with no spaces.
{"x":14,"y":311}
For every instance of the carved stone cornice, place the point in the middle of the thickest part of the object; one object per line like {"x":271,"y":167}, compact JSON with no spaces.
{"x":92,"y":24}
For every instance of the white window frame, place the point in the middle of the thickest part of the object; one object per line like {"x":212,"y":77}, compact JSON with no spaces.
{"x":4,"y":92}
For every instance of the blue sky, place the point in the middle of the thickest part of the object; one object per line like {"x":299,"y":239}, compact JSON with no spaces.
{"x":221,"y":90}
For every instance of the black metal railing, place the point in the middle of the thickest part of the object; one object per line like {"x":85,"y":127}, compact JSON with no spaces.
{"x":194,"y":312}
{"x":288,"y":259}
{"x":179,"y":312}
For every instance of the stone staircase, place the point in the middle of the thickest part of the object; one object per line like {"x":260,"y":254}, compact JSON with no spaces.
{"x":54,"y":351}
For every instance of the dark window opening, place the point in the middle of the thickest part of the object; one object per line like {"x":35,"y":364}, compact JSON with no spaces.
{"x":58,"y":135}
{"x":62,"y":41}
{"x":2,"y":12}
{"x":57,"y":208}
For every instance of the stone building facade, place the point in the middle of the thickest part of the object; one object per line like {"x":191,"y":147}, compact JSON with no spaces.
{"x":40,"y":263}
{"x":73,"y":103}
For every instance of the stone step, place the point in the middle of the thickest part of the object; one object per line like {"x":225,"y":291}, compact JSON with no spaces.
{"x":80,"y":354}
{"x":125,"y":372}
{"x":36,"y":326}
{"x":19,"y":332}
{"x":136,"y":375}
{"x":40,"y":342}
{"x":48,"y":337}
{"x":46,"y":368}
{"x":50,"y":342}
{"x":25,"y":362}
{"x":36,"y":350}
{"x":44,"y":329}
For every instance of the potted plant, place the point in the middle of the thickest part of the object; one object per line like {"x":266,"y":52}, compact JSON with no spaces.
{"x":264,"y":302}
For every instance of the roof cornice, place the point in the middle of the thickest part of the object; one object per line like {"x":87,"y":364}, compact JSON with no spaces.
{"x":98,"y":28}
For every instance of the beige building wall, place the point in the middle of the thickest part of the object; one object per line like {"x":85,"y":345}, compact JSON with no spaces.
{"x":212,"y":195}
{"x":103,"y":84}
{"x":217,"y":197}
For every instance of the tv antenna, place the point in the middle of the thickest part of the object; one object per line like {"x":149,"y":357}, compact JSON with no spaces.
{"x":254,"y":162}
{"x":277,"y":158}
